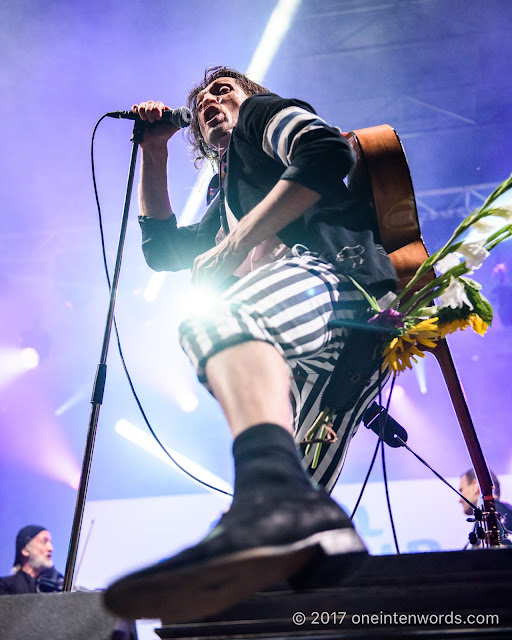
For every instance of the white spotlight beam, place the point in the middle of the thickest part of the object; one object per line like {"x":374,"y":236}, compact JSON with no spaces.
{"x":73,"y":400}
{"x":275,"y":31}
{"x":149,"y":444}
{"x":421,"y":375}
{"x":154,"y":285}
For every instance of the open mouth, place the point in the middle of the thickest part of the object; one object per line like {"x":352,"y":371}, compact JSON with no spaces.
{"x":210,"y":113}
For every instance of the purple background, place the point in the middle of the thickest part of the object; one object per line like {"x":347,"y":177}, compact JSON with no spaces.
{"x":438,"y":72}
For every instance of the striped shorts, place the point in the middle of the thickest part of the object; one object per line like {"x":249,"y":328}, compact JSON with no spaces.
{"x":291,"y":304}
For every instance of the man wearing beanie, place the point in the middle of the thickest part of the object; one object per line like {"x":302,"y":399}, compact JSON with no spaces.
{"x":33,"y":569}
{"x":290,"y":246}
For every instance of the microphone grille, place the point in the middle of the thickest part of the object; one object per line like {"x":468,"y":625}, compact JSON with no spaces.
{"x":182,"y":117}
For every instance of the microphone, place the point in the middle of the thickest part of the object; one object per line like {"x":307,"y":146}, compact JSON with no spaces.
{"x":180,"y":117}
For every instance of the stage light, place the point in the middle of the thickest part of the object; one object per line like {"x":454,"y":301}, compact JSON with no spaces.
{"x":188,"y":402}
{"x":154,"y":285}
{"x":39,"y":443}
{"x":14,"y":362}
{"x":405,"y":411}
{"x":73,"y":400}
{"x":421,"y":375}
{"x":29,"y":358}
{"x":199,"y":301}
{"x":275,"y":31}
{"x":59,"y":463}
{"x":63,"y":468}
{"x":398,"y":392}
{"x":146,"y":442}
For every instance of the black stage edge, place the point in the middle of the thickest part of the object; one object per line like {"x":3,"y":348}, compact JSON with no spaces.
{"x":460,"y":594}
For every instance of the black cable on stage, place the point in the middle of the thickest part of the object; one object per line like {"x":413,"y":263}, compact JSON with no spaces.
{"x":128,"y":377}
{"x":384,"y":472}
{"x":380,"y":443}
{"x":404,"y":444}
{"x":366,"y":479}
{"x":370,"y":468}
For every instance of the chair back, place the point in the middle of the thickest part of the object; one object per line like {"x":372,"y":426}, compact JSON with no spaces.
{"x":381,"y":177}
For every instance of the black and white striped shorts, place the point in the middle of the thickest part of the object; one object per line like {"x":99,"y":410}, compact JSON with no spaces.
{"x":291,"y":304}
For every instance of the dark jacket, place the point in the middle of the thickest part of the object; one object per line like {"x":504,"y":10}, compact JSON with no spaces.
{"x":50,"y":581}
{"x":506,"y":511}
{"x":20,"y":582}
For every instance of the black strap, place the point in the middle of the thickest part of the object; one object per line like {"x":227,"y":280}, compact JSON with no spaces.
{"x":360,"y":360}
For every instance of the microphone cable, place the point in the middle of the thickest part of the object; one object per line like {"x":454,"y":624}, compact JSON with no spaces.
{"x":118,"y":340}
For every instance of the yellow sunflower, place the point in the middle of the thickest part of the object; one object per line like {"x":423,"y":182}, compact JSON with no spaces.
{"x":453,"y":325}
{"x":401,"y":350}
{"x":474,"y":321}
{"x":477,"y":324}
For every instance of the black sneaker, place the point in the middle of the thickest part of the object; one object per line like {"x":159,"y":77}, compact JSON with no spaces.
{"x":259,"y":542}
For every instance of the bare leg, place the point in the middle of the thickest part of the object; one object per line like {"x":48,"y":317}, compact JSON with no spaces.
{"x":251,"y":381}
{"x":279,"y":526}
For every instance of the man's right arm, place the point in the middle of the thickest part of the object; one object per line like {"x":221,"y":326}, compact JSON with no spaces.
{"x":153,"y":193}
{"x":166,"y":246}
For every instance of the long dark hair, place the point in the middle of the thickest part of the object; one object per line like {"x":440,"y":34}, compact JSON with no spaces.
{"x":200,"y":149}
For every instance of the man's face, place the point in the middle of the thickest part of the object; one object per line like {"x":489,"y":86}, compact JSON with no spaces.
{"x":38,"y":553}
{"x":217,"y":109}
{"x":471,"y":492}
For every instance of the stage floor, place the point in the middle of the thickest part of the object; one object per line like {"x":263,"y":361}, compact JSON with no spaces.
{"x":462,"y":594}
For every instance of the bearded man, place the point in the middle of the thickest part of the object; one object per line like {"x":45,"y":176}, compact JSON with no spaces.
{"x":33,"y":570}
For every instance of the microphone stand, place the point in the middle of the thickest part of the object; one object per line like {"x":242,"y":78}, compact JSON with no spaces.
{"x":101,"y":374}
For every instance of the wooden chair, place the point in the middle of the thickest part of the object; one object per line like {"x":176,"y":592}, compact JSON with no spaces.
{"x":381,"y":176}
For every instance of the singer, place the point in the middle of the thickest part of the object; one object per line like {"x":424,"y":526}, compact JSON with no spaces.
{"x":281,"y":233}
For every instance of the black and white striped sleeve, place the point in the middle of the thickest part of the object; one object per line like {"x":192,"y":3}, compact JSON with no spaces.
{"x":285,"y":129}
{"x":311,"y":151}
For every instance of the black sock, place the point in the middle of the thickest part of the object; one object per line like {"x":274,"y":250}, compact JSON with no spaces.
{"x":266,"y":460}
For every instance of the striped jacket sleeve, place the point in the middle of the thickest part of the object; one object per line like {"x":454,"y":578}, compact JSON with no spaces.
{"x":311,"y":151}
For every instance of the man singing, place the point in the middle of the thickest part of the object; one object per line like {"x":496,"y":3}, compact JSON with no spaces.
{"x":295,"y":240}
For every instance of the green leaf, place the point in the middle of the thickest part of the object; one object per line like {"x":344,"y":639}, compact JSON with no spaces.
{"x":481,"y":306}
{"x":470,"y":283}
{"x":372,"y":300}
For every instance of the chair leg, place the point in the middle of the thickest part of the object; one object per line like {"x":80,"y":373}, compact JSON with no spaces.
{"x":443,"y":356}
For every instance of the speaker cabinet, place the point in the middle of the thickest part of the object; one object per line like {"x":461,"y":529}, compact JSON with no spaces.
{"x":60,"y":616}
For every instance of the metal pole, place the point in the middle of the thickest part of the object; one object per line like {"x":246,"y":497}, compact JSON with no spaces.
{"x":101,"y":374}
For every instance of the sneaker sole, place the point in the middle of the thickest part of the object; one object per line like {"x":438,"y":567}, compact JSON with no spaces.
{"x":192,"y":593}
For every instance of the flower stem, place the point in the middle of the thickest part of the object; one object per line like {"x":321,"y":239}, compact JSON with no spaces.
{"x":498,"y":236}
{"x":451,"y":245}
{"x":456,"y":271}
{"x":500,"y":190}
